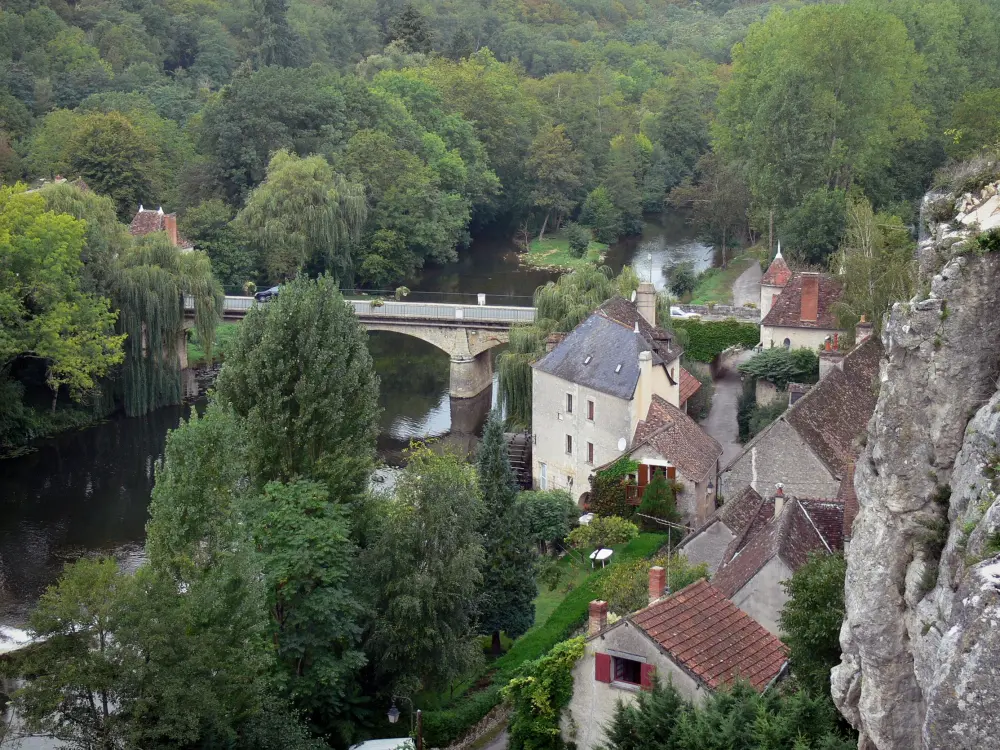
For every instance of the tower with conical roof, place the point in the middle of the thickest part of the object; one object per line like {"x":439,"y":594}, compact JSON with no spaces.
{"x":778,"y":274}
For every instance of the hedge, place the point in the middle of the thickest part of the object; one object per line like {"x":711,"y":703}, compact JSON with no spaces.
{"x":444,"y":726}
{"x":707,"y":340}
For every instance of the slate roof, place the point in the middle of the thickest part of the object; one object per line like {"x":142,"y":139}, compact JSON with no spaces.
{"x":791,"y":536}
{"x":607,"y":337}
{"x":711,"y":638}
{"x":778,"y":273}
{"x":786,"y":312}
{"x":678,"y":438}
{"x":835,"y":412}
{"x":689,"y":385}
{"x":147,"y":220}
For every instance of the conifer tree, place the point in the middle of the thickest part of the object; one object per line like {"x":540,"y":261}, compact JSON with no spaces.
{"x":509,"y":588}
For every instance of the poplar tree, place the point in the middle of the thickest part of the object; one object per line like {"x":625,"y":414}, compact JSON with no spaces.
{"x":509,"y":588}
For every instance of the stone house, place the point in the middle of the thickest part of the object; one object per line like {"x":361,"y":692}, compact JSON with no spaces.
{"x":802,"y":315}
{"x":593,"y":388}
{"x":777,"y":275}
{"x":773,"y":545}
{"x":147,"y":221}
{"x":668,"y":442}
{"x":809,"y":447}
{"x":695,"y":639}
{"x":708,"y":543}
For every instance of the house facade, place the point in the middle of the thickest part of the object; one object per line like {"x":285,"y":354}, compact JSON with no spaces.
{"x":809,"y":447}
{"x":147,"y":221}
{"x":593,"y":388}
{"x":695,"y":639}
{"x":668,"y":442}
{"x":802,"y":314}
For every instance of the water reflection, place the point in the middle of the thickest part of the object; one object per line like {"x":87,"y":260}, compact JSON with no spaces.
{"x":83,"y":492}
{"x":666,"y":240}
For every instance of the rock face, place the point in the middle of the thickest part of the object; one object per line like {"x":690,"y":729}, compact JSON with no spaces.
{"x":921,"y":639}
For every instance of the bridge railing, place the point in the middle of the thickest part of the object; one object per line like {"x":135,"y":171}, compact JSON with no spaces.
{"x":412,"y":310}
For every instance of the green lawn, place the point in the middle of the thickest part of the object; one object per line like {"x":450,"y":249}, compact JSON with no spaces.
{"x":715,"y":286}
{"x":553,"y":252}
{"x":225,"y":333}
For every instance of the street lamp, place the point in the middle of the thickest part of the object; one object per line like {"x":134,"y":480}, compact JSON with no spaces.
{"x":393,"y":716}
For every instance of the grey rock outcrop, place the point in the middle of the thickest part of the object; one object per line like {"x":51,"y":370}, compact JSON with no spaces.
{"x":921,"y":639}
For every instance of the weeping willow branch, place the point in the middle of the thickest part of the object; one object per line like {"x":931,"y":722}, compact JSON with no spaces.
{"x":560,"y":306}
{"x":148,"y":285}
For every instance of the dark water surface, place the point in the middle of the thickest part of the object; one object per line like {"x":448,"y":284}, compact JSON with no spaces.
{"x":87,"y":492}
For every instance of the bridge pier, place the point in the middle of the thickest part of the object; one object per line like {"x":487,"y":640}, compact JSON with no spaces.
{"x":470,"y":375}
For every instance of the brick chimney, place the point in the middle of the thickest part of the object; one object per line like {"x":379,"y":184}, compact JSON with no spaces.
{"x":657,"y":583}
{"x":170,"y":227}
{"x":810,"y":297}
{"x":645,"y":302}
{"x":598,"y":617}
{"x":863,"y":331}
{"x":779,"y":499}
{"x":830,"y":358}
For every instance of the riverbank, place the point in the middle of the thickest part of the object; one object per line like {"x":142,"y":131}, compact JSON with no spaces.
{"x":715,"y":286}
{"x":553,"y":253}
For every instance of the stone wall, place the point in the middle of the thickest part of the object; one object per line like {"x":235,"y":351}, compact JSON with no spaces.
{"x":721,"y":312}
{"x":764,"y":597}
{"x":778,"y":454}
{"x":708,"y":546}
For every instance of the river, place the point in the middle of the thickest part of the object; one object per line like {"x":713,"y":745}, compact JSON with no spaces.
{"x":87,"y":492}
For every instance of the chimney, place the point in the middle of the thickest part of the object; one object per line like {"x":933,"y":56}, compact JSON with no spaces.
{"x":657,"y":583}
{"x":644,"y":388}
{"x":779,"y":499}
{"x":836,"y":341}
{"x":810,"y":297}
{"x":645,"y":302}
{"x":863,"y":331}
{"x":170,"y":227}
{"x":598,"y":617}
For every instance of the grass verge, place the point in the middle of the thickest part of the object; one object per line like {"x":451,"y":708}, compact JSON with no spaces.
{"x":553,"y":252}
{"x":444,"y":726}
{"x":715,"y":286}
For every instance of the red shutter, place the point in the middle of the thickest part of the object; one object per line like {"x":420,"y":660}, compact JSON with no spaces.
{"x":643,"y":475}
{"x":602,"y":667}
{"x":671,"y":472}
{"x":647,"y":672}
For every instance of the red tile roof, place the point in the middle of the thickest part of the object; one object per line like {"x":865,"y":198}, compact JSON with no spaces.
{"x":791,"y":536}
{"x":679,"y":439}
{"x":786,"y":312}
{"x":778,"y":273}
{"x":828,"y":518}
{"x":146,"y":221}
{"x":711,"y":638}
{"x":689,"y":385}
{"x":739,"y":512}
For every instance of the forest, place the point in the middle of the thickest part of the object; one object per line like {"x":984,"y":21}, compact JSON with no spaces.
{"x":371,"y":138}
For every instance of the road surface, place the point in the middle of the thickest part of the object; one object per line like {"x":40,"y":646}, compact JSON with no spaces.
{"x":721,"y":420}
{"x":746,"y":288}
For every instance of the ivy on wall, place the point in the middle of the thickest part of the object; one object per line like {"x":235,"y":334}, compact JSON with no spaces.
{"x":707,"y":340}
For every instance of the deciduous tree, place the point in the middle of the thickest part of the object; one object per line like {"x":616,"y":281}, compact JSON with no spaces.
{"x":557,"y":169}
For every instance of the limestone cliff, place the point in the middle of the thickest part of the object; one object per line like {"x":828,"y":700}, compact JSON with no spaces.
{"x":921,"y":640}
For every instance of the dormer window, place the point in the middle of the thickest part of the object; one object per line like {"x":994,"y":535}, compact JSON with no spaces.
{"x":587,"y":360}
{"x":618,"y":369}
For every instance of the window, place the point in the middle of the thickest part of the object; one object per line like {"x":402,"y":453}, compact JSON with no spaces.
{"x":569,"y":444}
{"x":587,"y":360}
{"x":618,"y":369}
{"x":590,"y":453}
{"x":627,"y":670}
{"x":788,"y":343}
{"x":590,"y":410}
{"x":569,"y":403}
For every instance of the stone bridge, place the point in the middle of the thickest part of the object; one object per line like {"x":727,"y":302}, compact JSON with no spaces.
{"x":465,"y":333}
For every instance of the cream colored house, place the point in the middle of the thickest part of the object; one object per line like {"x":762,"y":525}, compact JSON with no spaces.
{"x":802,"y":314}
{"x":594,"y":387}
{"x":695,"y":638}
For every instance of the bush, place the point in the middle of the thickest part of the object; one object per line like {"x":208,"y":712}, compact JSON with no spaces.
{"x":550,"y":515}
{"x":625,"y":587}
{"x":762,"y":416}
{"x":782,"y":366}
{"x":608,"y":492}
{"x":682,"y":278}
{"x":707,"y":340}
{"x":700,"y":404}
{"x":578,"y":237}
{"x":603,"y":531}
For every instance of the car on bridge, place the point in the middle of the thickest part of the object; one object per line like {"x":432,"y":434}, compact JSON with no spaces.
{"x":679,"y":314}
{"x":267,"y":294}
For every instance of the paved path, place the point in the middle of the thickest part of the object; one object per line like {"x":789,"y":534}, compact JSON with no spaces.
{"x":721,"y":420}
{"x":746,"y":288}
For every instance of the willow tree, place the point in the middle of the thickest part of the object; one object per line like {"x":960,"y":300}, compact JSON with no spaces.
{"x":304,"y":212}
{"x":148,"y":284}
{"x":560,"y":306}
